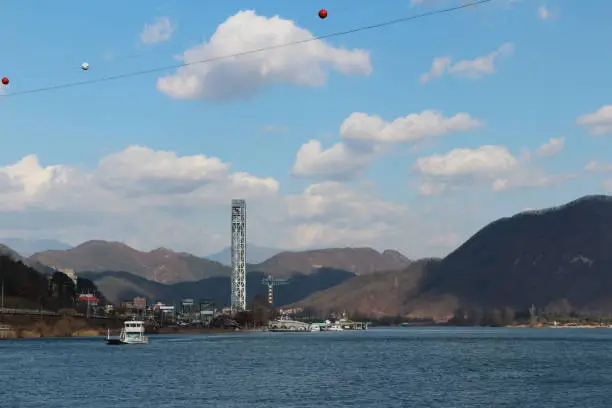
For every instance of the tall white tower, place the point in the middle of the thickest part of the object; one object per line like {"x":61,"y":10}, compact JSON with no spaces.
{"x":238,"y":255}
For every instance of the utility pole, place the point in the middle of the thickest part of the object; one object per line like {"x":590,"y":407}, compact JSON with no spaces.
{"x":2,"y":295}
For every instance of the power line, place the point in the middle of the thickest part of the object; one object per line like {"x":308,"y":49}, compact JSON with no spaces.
{"x":109,"y":56}
{"x":249,"y":52}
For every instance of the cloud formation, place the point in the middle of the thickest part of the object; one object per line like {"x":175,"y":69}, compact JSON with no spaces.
{"x":552,"y":148}
{"x":305,"y":64}
{"x":326,"y":213}
{"x":473,"y":69}
{"x":596,"y":166}
{"x":599,"y":122}
{"x":159,"y":31}
{"x":150,"y":198}
{"x":490,"y":165}
{"x":364,"y":137}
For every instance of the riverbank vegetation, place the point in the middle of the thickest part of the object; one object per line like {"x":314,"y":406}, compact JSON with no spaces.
{"x":21,"y":327}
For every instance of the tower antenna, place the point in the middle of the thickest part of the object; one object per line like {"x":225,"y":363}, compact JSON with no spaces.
{"x":239,"y":221}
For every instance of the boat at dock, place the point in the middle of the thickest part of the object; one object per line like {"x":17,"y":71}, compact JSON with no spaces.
{"x":344,"y":324}
{"x":284,"y":324}
{"x":132,"y":333}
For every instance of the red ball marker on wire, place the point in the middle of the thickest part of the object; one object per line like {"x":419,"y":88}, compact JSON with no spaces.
{"x":5,"y":81}
{"x":322,"y":13}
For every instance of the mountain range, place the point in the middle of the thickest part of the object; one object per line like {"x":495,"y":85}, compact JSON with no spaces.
{"x":255,"y":254}
{"x":552,"y":256}
{"x":539,"y":258}
{"x":159,"y":265}
{"x":165,"y":266}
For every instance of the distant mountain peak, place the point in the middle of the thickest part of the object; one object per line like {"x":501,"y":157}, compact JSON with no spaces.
{"x":163,"y":250}
{"x":101,"y":242}
{"x":160,"y":265}
{"x":362,"y":260}
{"x":397,"y":255}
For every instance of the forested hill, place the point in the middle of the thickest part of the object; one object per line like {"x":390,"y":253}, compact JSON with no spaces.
{"x":26,"y":288}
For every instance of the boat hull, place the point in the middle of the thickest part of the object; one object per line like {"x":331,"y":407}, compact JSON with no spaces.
{"x":119,"y":342}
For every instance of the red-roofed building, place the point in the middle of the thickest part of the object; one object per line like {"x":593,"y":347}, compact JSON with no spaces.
{"x":89,"y":298}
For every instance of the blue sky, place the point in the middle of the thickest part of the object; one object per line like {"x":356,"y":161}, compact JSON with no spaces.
{"x":550,"y":71}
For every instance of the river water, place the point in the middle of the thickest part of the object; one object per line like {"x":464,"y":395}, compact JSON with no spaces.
{"x":408,"y":367}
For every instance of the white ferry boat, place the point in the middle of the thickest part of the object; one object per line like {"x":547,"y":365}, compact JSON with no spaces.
{"x":132,"y":333}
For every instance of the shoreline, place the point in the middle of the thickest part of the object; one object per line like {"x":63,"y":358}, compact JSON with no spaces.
{"x":69,"y":327}
{"x":34,"y":333}
{"x":565,"y":326}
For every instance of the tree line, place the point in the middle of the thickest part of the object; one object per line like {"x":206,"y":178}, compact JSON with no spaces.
{"x":560,"y":311}
{"x":25,"y":288}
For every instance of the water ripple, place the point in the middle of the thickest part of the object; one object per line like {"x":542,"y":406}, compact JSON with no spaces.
{"x":420,"y":367}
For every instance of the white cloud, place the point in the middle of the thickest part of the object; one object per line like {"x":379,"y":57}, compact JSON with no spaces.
{"x":332,"y":212}
{"x":438,"y":67}
{"x":486,"y":160}
{"x":140,"y":169}
{"x":495,"y":166}
{"x":474,"y":68}
{"x":413,"y":128}
{"x":150,"y":198}
{"x":364,"y":137}
{"x":159,"y":31}
{"x":607,"y":185}
{"x":25,"y":181}
{"x":340,"y":161}
{"x":125,"y":180}
{"x":304,"y":64}
{"x":596,"y":166}
{"x":552,"y":148}
{"x":599,"y":122}
{"x":333,"y":200}
{"x":530,"y":178}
